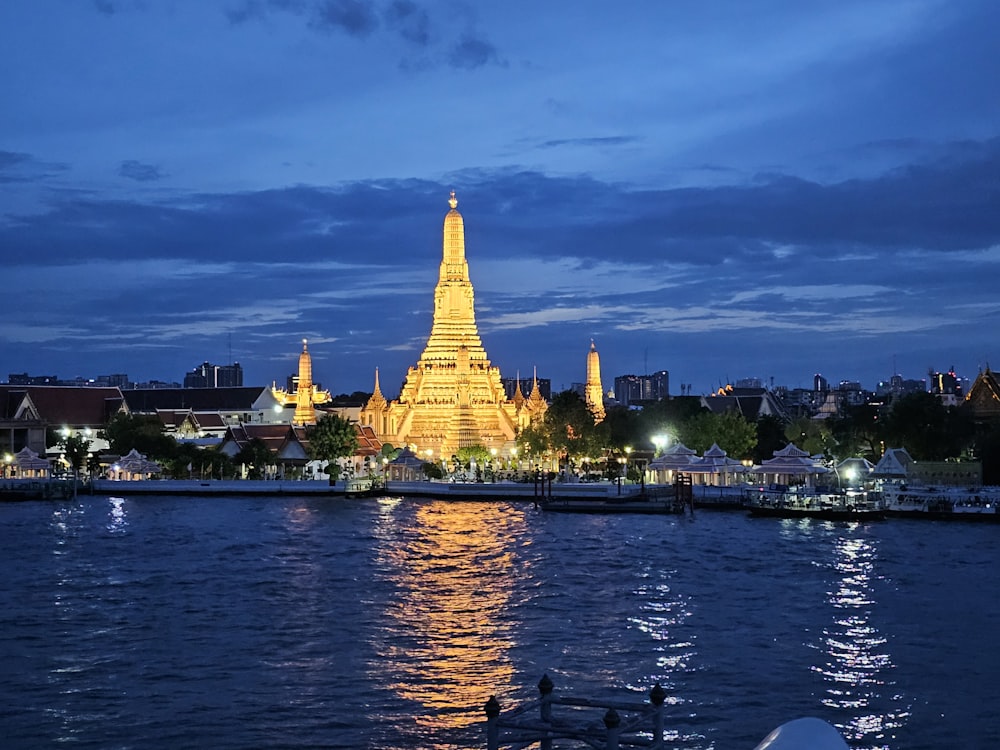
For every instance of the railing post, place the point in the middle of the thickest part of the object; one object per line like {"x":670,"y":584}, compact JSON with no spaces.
{"x":545,"y":687}
{"x":656,"y":697}
{"x":492,"y":723}
{"x":612,"y":721}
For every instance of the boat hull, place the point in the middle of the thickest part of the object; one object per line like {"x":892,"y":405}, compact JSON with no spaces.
{"x":648,"y":506}
{"x":820,"y":514}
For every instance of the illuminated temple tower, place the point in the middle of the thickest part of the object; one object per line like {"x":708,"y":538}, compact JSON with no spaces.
{"x":453,"y":398}
{"x":593,"y":392}
{"x":306,"y":394}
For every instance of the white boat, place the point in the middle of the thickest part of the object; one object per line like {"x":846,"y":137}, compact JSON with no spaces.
{"x":362,"y":487}
{"x":784,"y":502}
{"x":942,"y":503}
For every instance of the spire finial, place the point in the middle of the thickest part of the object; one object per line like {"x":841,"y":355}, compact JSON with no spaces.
{"x":304,"y":342}
{"x":453,"y":201}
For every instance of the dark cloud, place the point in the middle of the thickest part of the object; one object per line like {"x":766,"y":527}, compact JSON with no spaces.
{"x":140,"y":172}
{"x":356,"y":17}
{"x":614,"y":140}
{"x":21,"y":167}
{"x":409,"y":20}
{"x":472,"y":52}
{"x":948,"y":205}
{"x":9,"y":161}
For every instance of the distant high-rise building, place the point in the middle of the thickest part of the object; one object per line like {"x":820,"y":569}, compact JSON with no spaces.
{"x":117,"y":380}
{"x":632,"y":388}
{"x":945,"y":382}
{"x":23,"y":378}
{"x":898,"y":386}
{"x":820,"y":384}
{"x":207,"y":375}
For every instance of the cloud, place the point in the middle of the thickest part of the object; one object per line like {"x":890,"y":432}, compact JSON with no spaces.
{"x":139,"y":172}
{"x":20,"y":167}
{"x":356,"y":17}
{"x":614,"y":140}
{"x":409,"y":20}
{"x":472,"y":52}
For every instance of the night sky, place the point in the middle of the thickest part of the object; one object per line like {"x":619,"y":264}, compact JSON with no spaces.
{"x":722,"y":189}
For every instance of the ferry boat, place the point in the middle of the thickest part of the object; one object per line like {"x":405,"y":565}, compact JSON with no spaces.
{"x":942,"y":503}
{"x":777,"y":501}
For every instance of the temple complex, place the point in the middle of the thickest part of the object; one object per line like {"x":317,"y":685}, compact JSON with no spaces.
{"x":453,"y":397}
{"x":306,"y":395}
{"x":593,"y":393}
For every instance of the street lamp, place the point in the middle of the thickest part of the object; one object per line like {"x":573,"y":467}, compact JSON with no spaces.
{"x":661,"y":441}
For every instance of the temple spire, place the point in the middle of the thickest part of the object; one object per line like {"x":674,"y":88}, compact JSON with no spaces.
{"x":305,"y":412}
{"x":593,"y":390}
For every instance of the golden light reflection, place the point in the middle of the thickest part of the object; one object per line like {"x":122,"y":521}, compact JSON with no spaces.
{"x":446,"y":637}
{"x":858,"y":658}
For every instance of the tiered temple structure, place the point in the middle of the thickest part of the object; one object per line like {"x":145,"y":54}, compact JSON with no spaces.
{"x":453,"y":397}
{"x":306,"y":395}
{"x":593,"y":393}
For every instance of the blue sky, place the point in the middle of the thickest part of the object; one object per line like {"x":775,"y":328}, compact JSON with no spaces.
{"x":720,"y":189}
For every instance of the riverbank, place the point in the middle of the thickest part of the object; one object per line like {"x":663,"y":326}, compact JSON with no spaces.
{"x":429,"y":489}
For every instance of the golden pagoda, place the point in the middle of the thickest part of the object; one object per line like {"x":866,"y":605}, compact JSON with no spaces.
{"x":453,"y":398}
{"x":593,"y":392}
{"x":306,"y":395}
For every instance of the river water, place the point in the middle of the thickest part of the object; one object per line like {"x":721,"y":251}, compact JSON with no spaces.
{"x":164,"y":622}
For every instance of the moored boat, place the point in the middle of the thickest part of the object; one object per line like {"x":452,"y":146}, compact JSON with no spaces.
{"x":782,"y":502}
{"x":942,"y":503}
{"x":362,"y":487}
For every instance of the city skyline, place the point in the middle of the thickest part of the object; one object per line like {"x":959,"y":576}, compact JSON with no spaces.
{"x":722,"y":192}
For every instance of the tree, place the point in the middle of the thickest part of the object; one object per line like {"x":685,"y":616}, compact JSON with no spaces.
{"x":142,"y":432}
{"x":811,"y":435}
{"x":332,"y":437}
{"x":533,"y":441}
{"x":857,"y":431}
{"x":929,"y":430}
{"x":570,"y":427}
{"x":75,"y":447}
{"x":770,"y":437}
{"x":256,"y":456}
{"x":623,"y":427}
{"x":729,"y":430}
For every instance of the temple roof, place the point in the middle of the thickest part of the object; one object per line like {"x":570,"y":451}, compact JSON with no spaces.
{"x":73,"y":406}
{"x":148,"y":401}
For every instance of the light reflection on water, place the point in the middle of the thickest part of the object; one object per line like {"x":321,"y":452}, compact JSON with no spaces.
{"x":858,"y":662}
{"x":662,"y":612}
{"x":446,"y":637}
